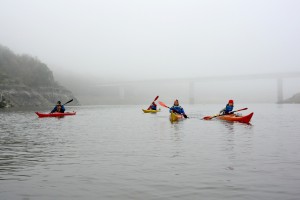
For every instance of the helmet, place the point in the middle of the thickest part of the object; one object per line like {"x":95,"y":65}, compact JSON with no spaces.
{"x":230,"y":101}
{"x":58,"y":103}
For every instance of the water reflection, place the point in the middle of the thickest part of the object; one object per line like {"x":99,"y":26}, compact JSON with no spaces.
{"x":19,"y":152}
{"x":21,"y":149}
{"x":237,"y":139}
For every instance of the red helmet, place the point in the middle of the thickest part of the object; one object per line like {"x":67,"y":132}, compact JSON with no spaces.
{"x":230,"y":101}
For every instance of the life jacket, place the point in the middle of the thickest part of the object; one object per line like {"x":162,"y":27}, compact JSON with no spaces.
{"x":153,"y":106}
{"x":55,"y":109}
{"x":228,"y":109}
{"x":177,"y":109}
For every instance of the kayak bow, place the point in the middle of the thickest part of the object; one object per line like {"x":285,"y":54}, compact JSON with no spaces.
{"x":175,"y":117}
{"x":234,"y":118}
{"x":56,"y":114}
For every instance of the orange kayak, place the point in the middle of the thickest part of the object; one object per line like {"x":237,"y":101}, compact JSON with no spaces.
{"x":175,"y":117}
{"x":234,"y":118}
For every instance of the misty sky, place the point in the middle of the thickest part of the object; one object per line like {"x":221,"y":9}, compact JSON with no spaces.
{"x":139,"y":39}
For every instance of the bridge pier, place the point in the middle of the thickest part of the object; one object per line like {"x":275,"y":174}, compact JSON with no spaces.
{"x":279,"y":90}
{"x":192,"y":92}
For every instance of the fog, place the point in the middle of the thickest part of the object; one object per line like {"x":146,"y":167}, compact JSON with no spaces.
{"x":91,"y":43}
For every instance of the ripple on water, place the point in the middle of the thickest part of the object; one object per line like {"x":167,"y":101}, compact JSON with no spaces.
{"x":118,"y":152}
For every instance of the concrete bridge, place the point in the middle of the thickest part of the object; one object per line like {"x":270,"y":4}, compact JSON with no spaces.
{"x":279,"y":77}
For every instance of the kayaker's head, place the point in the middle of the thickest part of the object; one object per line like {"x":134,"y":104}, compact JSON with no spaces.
{"x":176,"y":102}
{"x":58,"y":103}
{"x":230,"y":102}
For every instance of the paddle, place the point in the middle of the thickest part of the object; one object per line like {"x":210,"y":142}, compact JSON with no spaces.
{"x":68,"y":102}
{"x":164,"y":105}
{"x":210,"y":117}
{"x":153,"y":101}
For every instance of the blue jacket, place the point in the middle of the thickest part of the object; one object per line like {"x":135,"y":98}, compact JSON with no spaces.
{"x":177,"y":109}
{"x":227,"y":109}
{"x":62,"y":110}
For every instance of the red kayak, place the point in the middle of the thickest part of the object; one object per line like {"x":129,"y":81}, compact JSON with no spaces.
{"x":234,"y":118}
{"x":56,"y":114}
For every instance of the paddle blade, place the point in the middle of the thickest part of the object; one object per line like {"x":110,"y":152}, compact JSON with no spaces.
{"x":207,"y":118}
{"x":156,"y":98}
{"x":163,"y":104}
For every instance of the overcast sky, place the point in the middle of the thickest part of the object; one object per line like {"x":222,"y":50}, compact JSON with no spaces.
{"x":144,"y":39}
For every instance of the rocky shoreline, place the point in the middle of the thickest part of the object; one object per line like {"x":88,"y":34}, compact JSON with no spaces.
{"x":22,"y":96}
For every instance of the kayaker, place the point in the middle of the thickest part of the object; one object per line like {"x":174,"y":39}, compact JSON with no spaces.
{"x":178,"y":109}
{"x":58,"y":108}
{"x":227,"y":110}
{"x":153,"y":106}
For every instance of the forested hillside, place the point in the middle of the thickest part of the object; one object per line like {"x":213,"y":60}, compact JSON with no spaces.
{"x":26,"y":81}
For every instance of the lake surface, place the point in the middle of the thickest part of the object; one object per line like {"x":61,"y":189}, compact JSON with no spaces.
{"x":118,"y":152}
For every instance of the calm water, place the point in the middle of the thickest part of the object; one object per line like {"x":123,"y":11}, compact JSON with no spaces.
{"x":118,"y":152}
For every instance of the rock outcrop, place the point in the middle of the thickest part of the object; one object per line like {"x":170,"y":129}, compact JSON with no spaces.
{"x":293,"y":99}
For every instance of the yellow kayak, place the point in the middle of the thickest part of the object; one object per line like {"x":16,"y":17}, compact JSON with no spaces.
{"x":151,"y":111}
{"x":175,"y":117}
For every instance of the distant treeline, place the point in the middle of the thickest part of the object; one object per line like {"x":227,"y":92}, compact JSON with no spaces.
{"x":23,"y":69}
